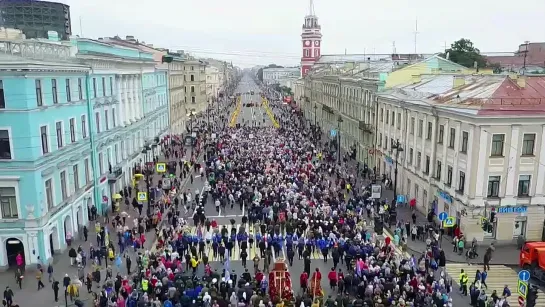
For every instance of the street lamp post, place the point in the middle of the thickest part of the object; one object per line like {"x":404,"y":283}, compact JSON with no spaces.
{"x":339,"y":121}
{"x":398,"y":149}
{"x":147,"y":177}
{"x":191,"y":116}
{"x":315,"y":108}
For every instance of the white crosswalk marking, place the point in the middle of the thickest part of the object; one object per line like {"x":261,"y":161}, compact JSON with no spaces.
{"x":498,"y":277}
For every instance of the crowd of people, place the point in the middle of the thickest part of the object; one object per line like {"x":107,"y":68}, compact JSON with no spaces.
{"x":298,"y":197}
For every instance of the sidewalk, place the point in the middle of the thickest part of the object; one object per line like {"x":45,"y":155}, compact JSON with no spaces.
{"x":28,"y":296}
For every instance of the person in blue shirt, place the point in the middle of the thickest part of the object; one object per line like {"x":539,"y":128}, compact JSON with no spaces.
{"x":484,"y":275}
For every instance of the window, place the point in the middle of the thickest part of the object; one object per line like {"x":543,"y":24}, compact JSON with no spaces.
{"x":45,"y":139}
{"x":54,"y":91}
{"x":387,"y":116}
{"x":461,"y":182}
{"x":493,"y":186}
{"x":449,"y":176}
{"x":2,"y":97}
{"x":58,"y":129}
{"x":39,"y":98}
{"x":420,"y":127}
{"x":80,"y":89}
{"x":111,"y":86}
{"x":381,"y":115}
{"x":428,"y":135}
{"x":393,"y":118}
{"x":427,"y":166}
{"x":412,"y":125}
{"x":441,"y":134}
{"x":465,"y":139}
{"x":528,"y":144}
{"x":100,"y":163}
{"x":411,"y":153}
{"x":106,"y":121}
{"x":49,"y":194}
{"x":452,"y":138}
{"x":5,"y":145}
{"x":68,"y":93}
{"x":97,"y":121}
{"x":524,"y":185}
{"x":83,"y":126}
{"x":113,"y":118}
{"x":64,"y":192}
{"x":380,"y":139}
{"x":438,"y":170}
{"x":94,"y":87}
{"x":418,"y":160}
{"x":8,"y":202}
{"x":103,"y":86}
{"x":87,"y":173}
{"x":72,"y":130}
{"x":192,"y":78}
{"x":192,"y":89}
{"x":497,"y":145}
{"x":76,"y":176}
{"x":193,"y":100}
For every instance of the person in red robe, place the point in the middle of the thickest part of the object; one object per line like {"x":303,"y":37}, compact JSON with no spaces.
{"x":317,"y":275}
{"x":303,"y":280}
{"x":332,"y":276}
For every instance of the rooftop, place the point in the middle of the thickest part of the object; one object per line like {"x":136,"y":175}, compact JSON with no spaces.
{"x":486,"y":95}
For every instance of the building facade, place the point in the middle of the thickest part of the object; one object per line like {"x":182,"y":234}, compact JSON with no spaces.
{"x":36,"y":18}
{"x":470,"y":146}
{"x":214,"y":82}
{"x":75,"y":119}
{"x":195,"y":85}
{"x":177,"y":101}
{"x":279,"y":75}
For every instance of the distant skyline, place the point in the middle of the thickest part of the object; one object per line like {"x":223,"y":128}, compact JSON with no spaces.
{"x":260,"y":33}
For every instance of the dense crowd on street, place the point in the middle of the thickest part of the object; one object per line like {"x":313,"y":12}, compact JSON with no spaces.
{"x":301,"y":196}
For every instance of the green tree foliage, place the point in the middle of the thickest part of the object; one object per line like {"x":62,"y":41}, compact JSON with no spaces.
{"x":464,"y":53}
{"x":286,"y":90}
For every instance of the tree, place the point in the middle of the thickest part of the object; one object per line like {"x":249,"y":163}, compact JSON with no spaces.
{"x":286,"y":90}
{"x":260,"y":74}
{"x":464,"y":53}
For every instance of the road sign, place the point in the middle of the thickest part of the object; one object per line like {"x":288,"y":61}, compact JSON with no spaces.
{"x":142,"y":196}
{"x":449,"y":222}
{"x":524,"y":275}
{"x":522,"y":288}
{"x":161,"y":167}
{"x":333,"y":133}
{"x":521,"y":300}
{"x":443,"y":216}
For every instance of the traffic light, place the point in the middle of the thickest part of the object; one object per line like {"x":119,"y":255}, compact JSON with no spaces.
{"x":531,"y":297}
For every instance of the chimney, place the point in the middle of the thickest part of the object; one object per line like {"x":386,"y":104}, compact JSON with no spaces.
{"x":458,"y":81}
{"x":129,"y":37}
{"x":416,"y":79}
{"x":521,"y":81}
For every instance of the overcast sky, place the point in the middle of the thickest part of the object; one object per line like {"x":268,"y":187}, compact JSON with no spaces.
{"x":256,"y":32}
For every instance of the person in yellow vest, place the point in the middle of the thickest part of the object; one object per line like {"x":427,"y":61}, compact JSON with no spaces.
{"x":145,"y":285}
{"x":194,"y":263}
{"x":463,"y":282}
{"x":348,"y":187}
{"x":111,"y":255}
{"x":319,"y":156}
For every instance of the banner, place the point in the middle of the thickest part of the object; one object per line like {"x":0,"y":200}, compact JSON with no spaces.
{"x":376,"y":191}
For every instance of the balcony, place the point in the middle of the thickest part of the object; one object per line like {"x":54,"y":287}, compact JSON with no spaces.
{"x":328,"y":109}
{"x":115,"y":174}
{"x":366,"y":127}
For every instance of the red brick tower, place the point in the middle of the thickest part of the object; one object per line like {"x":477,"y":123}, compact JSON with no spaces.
{"x":311,"y":39}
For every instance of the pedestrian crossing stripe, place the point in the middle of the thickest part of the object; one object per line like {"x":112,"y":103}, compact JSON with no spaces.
{"x":498,"y":277}
{"x":252,"y":250}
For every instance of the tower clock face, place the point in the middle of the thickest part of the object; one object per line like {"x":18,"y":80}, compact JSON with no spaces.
{"x":317,"y":43}
{"x":307,"y":43}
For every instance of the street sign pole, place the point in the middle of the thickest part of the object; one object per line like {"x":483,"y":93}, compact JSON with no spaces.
{"x":442,"y":217}
{"x":522,"y":287}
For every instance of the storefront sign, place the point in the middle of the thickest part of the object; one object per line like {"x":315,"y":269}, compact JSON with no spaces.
{"x":444,"y":196}
{"x":511,"y":209}
{"x":389,"y":160}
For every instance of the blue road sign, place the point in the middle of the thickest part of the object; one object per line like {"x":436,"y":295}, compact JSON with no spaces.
{"x":449,"y":222}
{"x":443,"y":216}
{"x":333,"y":133}
{"x":524,"y":275}
{"x":522,"y":288}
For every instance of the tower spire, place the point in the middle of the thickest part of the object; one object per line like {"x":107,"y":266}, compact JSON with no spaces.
{"x":311,"y":8}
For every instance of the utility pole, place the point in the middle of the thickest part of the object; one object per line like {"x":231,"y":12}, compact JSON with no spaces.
{"x":397,"y":147}
{"x":415,"y":34}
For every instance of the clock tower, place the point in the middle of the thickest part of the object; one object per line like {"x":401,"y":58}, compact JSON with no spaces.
{"x":311,"y":39}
